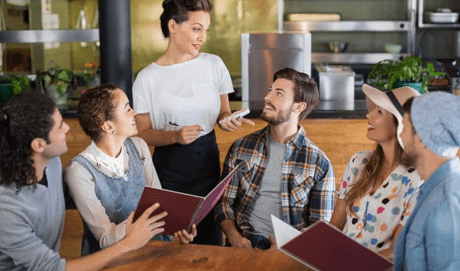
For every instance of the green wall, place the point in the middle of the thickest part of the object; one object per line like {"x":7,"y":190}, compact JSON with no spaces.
{"x":229,"y":18}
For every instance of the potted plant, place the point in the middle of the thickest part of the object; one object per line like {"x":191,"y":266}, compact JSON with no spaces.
{"x":56,"y":83}
{"x":13,"y":85}
{"x":91,"y":74}
{"x":388,"y":74}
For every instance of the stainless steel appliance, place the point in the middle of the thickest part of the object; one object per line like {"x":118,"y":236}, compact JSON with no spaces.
{"x":263,"y":54}
{"x":337,"y":83}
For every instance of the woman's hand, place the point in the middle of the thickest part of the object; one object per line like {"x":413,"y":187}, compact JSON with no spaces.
{"x":188,"y":134}
{"x":184,"y":237}
{"x":141,"y":231}
{"x":228,"y":122}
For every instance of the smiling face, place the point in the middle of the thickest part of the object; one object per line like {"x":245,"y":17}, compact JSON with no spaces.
{"x":123,"y":122}
{"x":57,"y":137}
{"x":382,"y":127}
{"x":189,"y":36}
{"x":279,"y":102}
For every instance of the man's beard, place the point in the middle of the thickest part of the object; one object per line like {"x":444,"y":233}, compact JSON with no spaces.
{"x":409,"y":158}
{"x":281,"y":116}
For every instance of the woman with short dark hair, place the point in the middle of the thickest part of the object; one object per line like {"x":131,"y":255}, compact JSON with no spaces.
{"x":107,"y":179}
{"x":180,"y":97}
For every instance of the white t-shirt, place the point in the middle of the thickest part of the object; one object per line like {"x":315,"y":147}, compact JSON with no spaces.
{"x":81,"y":188}
{"x":183,"y":94}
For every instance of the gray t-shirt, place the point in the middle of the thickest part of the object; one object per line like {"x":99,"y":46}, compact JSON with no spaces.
{"x":268,"y":199}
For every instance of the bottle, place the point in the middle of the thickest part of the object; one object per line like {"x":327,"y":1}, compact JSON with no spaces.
{"x":456,"y":89}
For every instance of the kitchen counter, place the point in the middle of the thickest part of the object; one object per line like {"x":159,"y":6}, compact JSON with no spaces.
{"x":332,"y":110}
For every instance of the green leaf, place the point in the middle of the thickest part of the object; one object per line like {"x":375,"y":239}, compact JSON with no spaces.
{"x":47,"y":79}
{"x":62,"y":89}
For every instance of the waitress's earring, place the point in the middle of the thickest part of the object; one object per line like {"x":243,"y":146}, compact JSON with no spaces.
{"x":113,"y":132}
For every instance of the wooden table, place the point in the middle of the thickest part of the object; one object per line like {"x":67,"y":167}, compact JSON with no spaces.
{"x":157,"y":255}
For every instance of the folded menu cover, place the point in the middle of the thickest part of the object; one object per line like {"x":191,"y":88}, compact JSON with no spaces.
{"x":183,"y":209}
{"x":323,"y":247}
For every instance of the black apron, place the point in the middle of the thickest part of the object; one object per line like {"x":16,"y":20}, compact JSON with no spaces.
{"x":192,"y":169}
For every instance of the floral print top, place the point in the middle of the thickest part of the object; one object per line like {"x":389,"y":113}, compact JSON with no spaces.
{"x":379,"y":214}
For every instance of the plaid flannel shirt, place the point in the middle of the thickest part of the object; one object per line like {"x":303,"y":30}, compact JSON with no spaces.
{"x":308,"y":182}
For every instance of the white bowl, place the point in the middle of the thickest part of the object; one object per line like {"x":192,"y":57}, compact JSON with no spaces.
{"x":442,"y":17}
{"x":392,"y":48}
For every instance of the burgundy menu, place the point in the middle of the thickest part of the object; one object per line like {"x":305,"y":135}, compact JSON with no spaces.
{"x":323,"y":247}
{"x":183,"y":209}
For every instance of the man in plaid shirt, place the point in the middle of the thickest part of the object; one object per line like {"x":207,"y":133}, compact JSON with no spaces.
{"x":284,"y":174}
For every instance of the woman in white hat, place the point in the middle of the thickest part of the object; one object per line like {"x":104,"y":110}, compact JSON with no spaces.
{"x":378,"y":190}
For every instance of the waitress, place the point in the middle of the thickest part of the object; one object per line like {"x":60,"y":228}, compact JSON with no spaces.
{"x":179,"y":99}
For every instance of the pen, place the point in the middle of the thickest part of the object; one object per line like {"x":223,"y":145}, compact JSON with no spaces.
{"x":174,"y":124}
{"x":177,"y":125}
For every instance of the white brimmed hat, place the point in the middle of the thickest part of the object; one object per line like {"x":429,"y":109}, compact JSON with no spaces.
{"x":391,"y":101}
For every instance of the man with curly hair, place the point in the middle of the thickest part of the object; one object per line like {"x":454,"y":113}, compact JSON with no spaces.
{"x":32,"y":136}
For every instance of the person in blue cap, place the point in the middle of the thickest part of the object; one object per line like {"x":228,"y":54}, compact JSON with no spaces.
{"x":430,"y":239}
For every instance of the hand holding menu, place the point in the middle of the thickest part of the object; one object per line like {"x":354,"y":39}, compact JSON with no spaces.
{"x":323,"y":247}
{"x":183,"y":209}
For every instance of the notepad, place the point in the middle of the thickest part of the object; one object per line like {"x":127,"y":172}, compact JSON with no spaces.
{"x":323,"y":247}
{"x":183,"y":209}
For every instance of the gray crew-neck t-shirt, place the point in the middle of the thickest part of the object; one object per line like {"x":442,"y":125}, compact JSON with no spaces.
{"x":268,"y":199}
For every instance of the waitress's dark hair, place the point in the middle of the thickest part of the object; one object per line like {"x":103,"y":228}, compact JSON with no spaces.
{"x":178,"y":11}
{"x":94,"y":108}
{"x":23,"y":118}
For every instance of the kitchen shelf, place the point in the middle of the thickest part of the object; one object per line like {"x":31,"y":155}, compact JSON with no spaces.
{"x":354,"y":58}
{"x":421,"y":24}
{"x":407,"y":26}
{"x":440,"y":26}
{"x":349,"y":26}
{"x":55,"y":35}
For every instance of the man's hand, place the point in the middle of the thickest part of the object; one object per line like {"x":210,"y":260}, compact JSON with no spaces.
{"x":141,"y":231}
{"x":273,"y":241}
{"x":240,"y":241}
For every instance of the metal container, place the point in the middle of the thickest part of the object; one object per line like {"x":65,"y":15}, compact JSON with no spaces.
{"x":337,"y":83}
{"x":263,"y":54}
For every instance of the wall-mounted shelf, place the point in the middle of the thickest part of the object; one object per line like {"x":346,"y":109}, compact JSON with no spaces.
{"x":348,"y":26}
{"x":55,"y":35}
{"x":443,"y":26}
{"x":421,"y":24}
{"x":407,"y":26}
{"x":354,"y":58}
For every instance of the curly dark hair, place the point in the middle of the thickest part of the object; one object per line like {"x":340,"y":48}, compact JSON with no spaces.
{"x":305,"y":88}
{"x":178,"y":11}
{"x":95,"y":108}
{"x":23,"y":118}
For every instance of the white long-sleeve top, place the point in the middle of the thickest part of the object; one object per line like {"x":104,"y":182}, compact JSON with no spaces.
{"x":81,"y":187}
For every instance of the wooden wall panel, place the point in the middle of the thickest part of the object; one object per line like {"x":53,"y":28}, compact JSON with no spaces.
{"x":339,"y":139}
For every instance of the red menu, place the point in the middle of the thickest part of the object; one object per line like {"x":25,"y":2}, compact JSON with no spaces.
{"x":323,"y":247}
{"x":183,"y":209}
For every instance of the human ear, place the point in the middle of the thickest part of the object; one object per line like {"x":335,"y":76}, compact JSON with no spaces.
{"x":107,"y":127}
{"x":172,"y":26}
{"x":38,"y":145}
{"x":300,"y":107}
